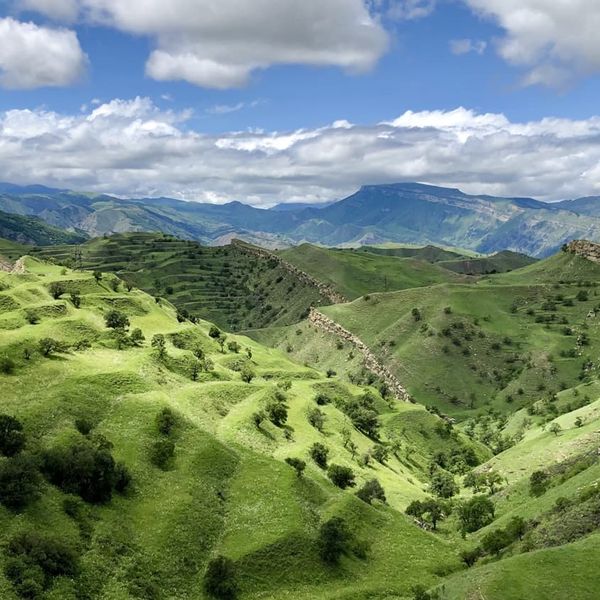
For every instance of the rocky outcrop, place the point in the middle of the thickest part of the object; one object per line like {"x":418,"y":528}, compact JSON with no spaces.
{"x":371,"y":362}
{"x":325,"y":290}
{"x":585,"y":249}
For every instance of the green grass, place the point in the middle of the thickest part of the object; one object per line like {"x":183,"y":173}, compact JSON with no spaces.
{"x":220,"y":284}
{"x":354,"y":273}
{"x":229,"y":490}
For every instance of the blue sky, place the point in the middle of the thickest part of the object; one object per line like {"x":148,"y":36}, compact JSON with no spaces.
{"x":419,"y":72}
{"x":147,"y":97}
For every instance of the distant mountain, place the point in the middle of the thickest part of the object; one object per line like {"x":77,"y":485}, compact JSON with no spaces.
{"x":32,"y":230}
{"x":409,"y":213}
{"x":300,"y":206}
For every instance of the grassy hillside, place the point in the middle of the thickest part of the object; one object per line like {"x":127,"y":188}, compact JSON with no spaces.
{"x":32,"y":230}
{"x":12,"y":250}
{"x":220,"y":284}
{"x":501,"y":262}
{"x":354,"y":273}
{"x":225,"y":491}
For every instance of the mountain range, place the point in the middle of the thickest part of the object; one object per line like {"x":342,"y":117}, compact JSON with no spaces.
{"x":404,"y":213}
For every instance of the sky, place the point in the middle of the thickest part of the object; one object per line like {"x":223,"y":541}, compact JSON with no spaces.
{"x":267,"y":101}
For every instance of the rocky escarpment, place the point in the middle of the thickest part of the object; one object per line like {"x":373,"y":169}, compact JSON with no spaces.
{"x":371,"y":362}
{"x":325,"y":290}
{"x":585,"y":249}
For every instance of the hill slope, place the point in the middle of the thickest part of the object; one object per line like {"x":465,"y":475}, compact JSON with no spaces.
{"x":32,"y":230}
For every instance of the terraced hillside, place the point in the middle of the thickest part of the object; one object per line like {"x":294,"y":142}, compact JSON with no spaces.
{"x":188,"y":443}
{"x":355,"y":273}
{"x":222,"y":284}
{"x":503,"y":342}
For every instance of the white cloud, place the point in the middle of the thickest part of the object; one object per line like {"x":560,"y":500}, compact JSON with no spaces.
{"x":554,"y":39}
{"x":134,"y":148}
{"x":465,"y":46}
{"x":225,"y":109}
{"x":410,"y":9}
{"x":220,"y":43}
{"x":32,"y":56}
{"x":61,"y":10}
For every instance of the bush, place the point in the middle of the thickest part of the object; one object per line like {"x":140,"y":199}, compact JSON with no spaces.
{"x":115,"y":319}
{"x":233,"y":346}
{"x":319,"y":453}
{"x":84,"y":426}
{"x":495,"y":541}
{"x":220,"y":578}
{"x":316,"y":418}
{"x":123,"y":478}
{"x":56,"y":289}
{"x":162,"y":453}
{"x":297,"y":464}
{"x":277,"y":413}
{"x":12,"y":438}
{"x":34,"y":560}
{"x":85,"y":467}
{"x":538,"y":483}
{"x":322,"y":399}
{"x":137,"y":337}
{"x":371,"y":490}
{"x":443,"y":484}
{"x":247,"y":373}
{"x":214,"y":332}
{"x":49,"y":346}
{"x":334,"y":540}
{"x":341,"y":476}
{"x":160,"y":345}
{"x":475,"y":513}
{"x":166,"y":421}
{"x":75,"y":299}
{"x":20,"y":482}
{"x":32,"y":317}
{"x":7,"y":365}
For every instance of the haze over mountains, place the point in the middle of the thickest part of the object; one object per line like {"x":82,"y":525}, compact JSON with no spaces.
{"x":402,"y":213}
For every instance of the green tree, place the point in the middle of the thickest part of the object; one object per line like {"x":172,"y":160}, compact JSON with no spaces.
{"x":214,"y":332}
{"x":380,"y":453}
{"x":475,"y":513}
{"x":316,"y":418}
{"x":20,"y":482}
{"x":75,"y":299}
{"x":555,"y":428}
{"x":160,"y":345}
{"x":137,"y":337}
{"x":319,"y":453}
{"x":443,"y":485}
{"x":56,"y":289}
{"x":97,"y":276}
{"x":371,"y":490}
{"x":247,"y":373}
{"x":297,"y":464}
{"x":277,"y":413}
{"x":166,"y":420}
{"x":495,"y":541}
{"x":492,"y":480}
{"x":115,"y":319}
{"x":220,"y":579}
{"x":162,"y":453}
{"x":234,"y":346}
{"x":49,"y":346}
{"x":516,"y":528}
{"x":334,"y":540}
{"x":12,"y":436}
{"x":342,"y":477}
{"x":7,"y":365}
{"x":538,"y":483}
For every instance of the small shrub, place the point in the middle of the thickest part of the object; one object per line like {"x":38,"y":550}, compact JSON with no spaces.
{"x":297,"y":464}
{"x":7,"y":365}
{"x":319,"y":453}
{"x":12,"y":437}
{"x":162,"y":453}
{"x":166,"y":421}
{"x":115,"y":319}
{"x":220,"y":579}
{"x":316,"y":418}
{"x":371,"y":490}
{"x":342,"y":477}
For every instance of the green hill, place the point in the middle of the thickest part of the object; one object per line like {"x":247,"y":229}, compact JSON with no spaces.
{"x":32,"y":230}
{"x":501,"y":262}
{"x":204,"y":482}
{"x":354,"y":273}
{"x":222,"y":284}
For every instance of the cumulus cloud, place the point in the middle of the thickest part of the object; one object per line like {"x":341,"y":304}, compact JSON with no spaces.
{"x":466,"y":46}
{"x":554,"y":39}
{"x":411,"y":9}
{"x":220,"y":43}
{"x":134,"y":148}
{"x":32,"y":56}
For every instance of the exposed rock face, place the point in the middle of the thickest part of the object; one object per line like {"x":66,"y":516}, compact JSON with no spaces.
{"x":325,"y":290}
{"x":585,"y":249}
{"x":324,"y":323}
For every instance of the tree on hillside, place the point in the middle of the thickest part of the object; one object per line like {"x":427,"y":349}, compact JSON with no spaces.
{"x":316,"y":417}
{"x":297,"y":464}
{"x":49,"y":346}
{"x":334,"y":540}
{"x":319,"y":453}
{"x":493,"y":479}
{"x":277,"y":413}
{"x":220,"y":579}
{"x":75,"y":299}
{"x":160,"y":345}
{"x":371,"y":490}
{"x":495,"y":541}
{"x":221,"y":341}
{"x":97,"y":276}
{"x":234,"y":346}
{"x":115,"y":319}
{"x":342,"y":477}
{"x":443,"y":485}
{"x":20,"y":482}
{"x":475,"y":513}
{"x":12,"y":436}
{"x":137,"y":337}
{"x":56,"y":289}
{"x":214,"y":332}
{"x":538,"y":483}
{"x":555,"y":428}
{"x":247,"y":374}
